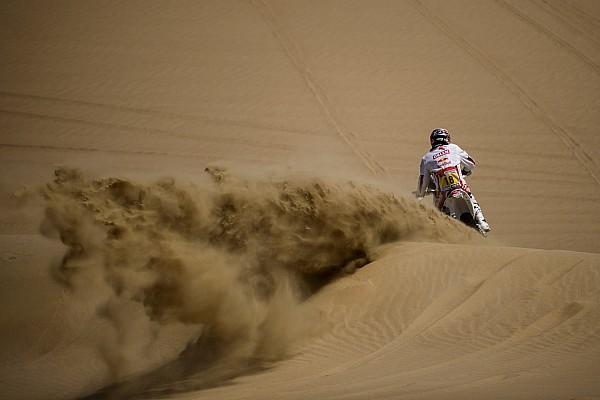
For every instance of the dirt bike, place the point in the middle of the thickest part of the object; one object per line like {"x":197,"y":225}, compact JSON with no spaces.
{"x":458,"y":205}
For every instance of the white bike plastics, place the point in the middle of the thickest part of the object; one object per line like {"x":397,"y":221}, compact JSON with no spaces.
{"x":458,"y":205}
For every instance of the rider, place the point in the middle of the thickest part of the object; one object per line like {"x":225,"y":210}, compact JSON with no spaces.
{"x":447,"y":164}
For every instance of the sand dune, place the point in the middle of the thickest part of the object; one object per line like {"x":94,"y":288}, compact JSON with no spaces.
{"x":410,"y":326}
{"x":299,"y":266}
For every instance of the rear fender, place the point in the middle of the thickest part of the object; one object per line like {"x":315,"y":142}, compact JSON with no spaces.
{"x":458,"y":203}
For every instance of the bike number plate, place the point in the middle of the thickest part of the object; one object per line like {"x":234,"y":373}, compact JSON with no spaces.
{"x":449,"y":180}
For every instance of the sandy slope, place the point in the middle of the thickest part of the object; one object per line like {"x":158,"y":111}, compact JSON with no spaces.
{"x":344,"y":89}
{"x":512,"y":324}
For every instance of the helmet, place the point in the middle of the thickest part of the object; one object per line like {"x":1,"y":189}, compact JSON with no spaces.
{"x":439,"y":136}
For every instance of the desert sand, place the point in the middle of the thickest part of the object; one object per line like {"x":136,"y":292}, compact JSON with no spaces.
{"x":213,"y":200}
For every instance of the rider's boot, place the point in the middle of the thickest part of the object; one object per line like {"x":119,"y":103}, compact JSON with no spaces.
{"x":482,"y":223}
{"x":479,"y":218}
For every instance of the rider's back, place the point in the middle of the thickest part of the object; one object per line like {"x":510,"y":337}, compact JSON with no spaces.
{"x":447,"y":160}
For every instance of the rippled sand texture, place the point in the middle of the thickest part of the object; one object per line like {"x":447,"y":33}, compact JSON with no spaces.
{"x":212,"y":200}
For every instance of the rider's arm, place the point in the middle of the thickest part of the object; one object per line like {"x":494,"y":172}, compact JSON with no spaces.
{"x":422,"y":186}
{"x":467,"y":161}
{"x":423,"y":180}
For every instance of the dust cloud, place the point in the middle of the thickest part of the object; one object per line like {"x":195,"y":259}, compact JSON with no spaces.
{"x":227,"y":268}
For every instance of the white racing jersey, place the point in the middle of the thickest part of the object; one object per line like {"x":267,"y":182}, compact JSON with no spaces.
{"x":444,"y":164}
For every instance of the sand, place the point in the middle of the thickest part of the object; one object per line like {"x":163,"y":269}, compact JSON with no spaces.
{"x":212,"y":199}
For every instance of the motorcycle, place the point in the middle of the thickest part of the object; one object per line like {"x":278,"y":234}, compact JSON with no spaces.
{"x":458,"y":205}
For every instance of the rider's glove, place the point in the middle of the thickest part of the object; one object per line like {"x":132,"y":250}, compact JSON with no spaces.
{"x":418,"y":195}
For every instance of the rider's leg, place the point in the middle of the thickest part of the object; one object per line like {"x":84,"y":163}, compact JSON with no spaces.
{"x":440,"y":198}
{"x":479,"y":218}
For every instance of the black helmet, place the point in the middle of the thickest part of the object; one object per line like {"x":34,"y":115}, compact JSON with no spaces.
{"x":439,"y":136}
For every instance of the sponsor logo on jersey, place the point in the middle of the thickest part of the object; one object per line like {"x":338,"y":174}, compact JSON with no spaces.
{"x":443,"y":161}
{"x":443,"y":153}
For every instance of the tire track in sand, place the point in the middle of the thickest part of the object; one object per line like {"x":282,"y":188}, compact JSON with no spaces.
{"x":111,"y":109}
{"x":145,"y":130}
{"x":88,"y":150}
{"x":347,"y":136}
{"x":580,"y":24}
{"x":582,"y":12}
{"x":588,"y":62}
{"x":505,"y":78}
